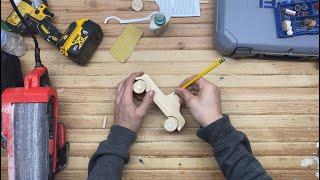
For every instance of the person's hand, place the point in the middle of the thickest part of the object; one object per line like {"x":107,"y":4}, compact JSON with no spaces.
{"x":203,"y":100}
{"x":127,"y":114}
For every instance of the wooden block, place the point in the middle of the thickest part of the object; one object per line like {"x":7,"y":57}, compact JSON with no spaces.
{"x":126,"y":42}
{"x":137,"y":5}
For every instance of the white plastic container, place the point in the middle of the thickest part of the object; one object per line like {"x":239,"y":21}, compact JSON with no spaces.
{"x":159,"y":23}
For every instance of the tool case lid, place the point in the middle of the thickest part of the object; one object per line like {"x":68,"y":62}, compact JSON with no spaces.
{"x":247,"y":27}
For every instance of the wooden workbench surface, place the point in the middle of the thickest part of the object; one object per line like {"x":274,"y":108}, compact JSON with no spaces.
{"x":274,"y":102}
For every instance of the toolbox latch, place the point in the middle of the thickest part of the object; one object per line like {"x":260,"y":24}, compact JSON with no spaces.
{"x":242,"y":52}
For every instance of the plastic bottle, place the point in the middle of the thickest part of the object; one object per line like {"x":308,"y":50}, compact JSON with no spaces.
{"x":12,"y":43}
{"x":159,"y":23}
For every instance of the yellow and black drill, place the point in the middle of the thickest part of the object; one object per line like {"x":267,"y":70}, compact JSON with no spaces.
{"x":78,"y":42}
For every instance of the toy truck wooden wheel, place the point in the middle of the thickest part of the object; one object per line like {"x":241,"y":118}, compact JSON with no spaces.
{"x":137,"y":5}
{"x":171,"y":124}
{"x":139,"y":86}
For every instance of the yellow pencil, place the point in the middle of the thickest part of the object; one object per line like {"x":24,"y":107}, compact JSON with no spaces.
{"x":206,"y":71}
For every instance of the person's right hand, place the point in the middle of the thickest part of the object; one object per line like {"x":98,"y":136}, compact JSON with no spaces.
{"x":205,"y":105}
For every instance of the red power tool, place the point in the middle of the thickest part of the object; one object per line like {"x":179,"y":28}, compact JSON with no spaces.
{"x":36,"y":142}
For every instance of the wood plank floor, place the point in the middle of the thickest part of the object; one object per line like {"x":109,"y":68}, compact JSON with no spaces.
{"x":275,"y":102}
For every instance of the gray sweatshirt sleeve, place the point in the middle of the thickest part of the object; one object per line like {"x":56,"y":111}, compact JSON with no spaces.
{"x":232,"y":151}
{"x":112,"y":154}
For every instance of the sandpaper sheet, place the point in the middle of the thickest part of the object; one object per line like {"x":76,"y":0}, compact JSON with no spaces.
{"x":126,"y":42}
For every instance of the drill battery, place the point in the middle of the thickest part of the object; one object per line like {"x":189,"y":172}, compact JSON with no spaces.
{"x":80,"y":40}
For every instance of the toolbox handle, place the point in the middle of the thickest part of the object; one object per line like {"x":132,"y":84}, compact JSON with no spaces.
{"x":32,"y":79}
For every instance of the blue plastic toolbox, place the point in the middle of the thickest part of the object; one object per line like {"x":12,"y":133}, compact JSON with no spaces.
{"x":245,"y":28}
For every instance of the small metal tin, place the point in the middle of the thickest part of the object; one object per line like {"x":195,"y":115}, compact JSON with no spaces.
{"x":297,"y":7}
{"x":305,"y":7}
{"x":300,"y":14}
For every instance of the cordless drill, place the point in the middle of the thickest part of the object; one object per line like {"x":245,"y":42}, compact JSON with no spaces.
{"x":78,"y":42}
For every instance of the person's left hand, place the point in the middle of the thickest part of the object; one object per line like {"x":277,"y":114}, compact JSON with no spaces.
{"x":127,"y":114}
